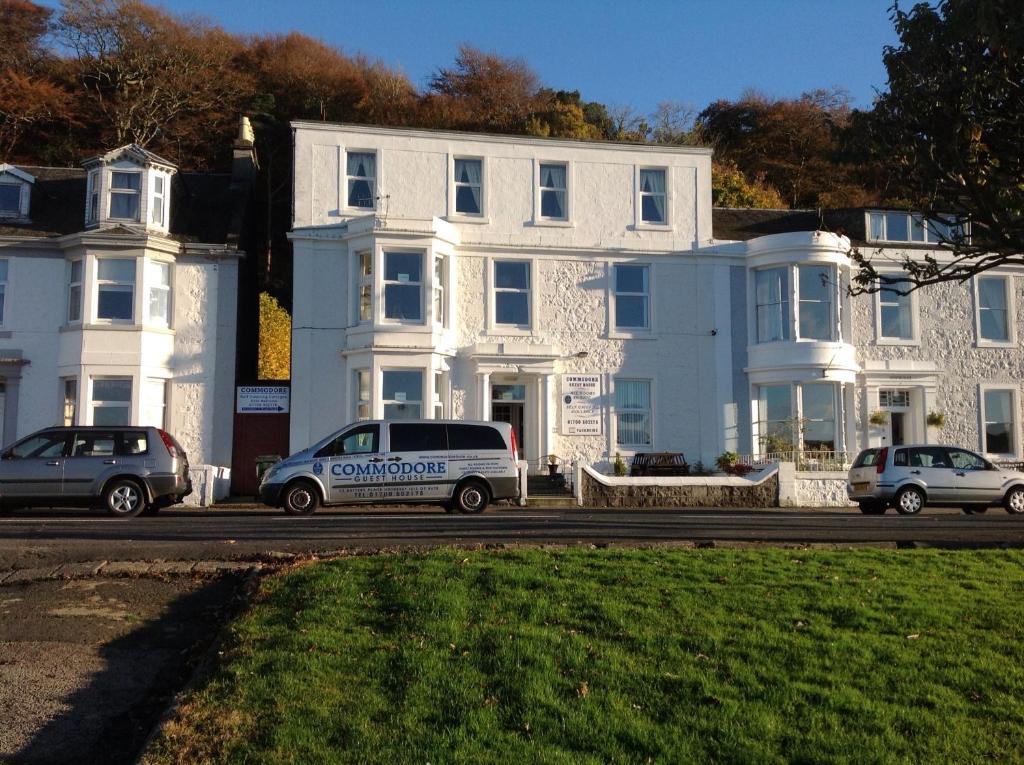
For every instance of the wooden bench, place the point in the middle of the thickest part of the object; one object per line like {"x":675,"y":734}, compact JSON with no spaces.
{"x":659,"y":463}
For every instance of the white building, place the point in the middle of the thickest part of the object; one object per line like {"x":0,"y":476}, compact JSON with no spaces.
{"x":118,"y":293}
{"x":578,"y":291}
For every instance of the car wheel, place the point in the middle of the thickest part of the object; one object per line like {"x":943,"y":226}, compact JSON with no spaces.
{"x":471,"y":497}
{"x":872,"y":508}
{"x":1014,"y":502}
{"x":300,"y":498}
{"x":909,"y":501}
{"x":123,"y":498}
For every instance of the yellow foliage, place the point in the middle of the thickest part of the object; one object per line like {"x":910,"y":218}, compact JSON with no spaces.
{"x":275,"y":351}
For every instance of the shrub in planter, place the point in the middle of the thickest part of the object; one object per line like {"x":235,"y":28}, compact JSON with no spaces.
{"x":936,"y":419}
{"x":619,"y":466}
{"x":726,"y":461}
{"x":878,"y":418}
{"x":740,"y":469}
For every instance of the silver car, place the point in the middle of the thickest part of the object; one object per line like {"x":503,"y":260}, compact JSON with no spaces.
{"x":909,"y":477}
{"x":458,"y":465}
{"x":127,"y":470}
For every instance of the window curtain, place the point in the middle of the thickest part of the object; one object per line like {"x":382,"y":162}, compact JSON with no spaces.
{"x":362,"y":165}
{"x":653,"y":182}
{"x":468,"y":172}
{"x":552,"y":176}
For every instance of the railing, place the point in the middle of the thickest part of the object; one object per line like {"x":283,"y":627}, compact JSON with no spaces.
{"x":815,"y":461}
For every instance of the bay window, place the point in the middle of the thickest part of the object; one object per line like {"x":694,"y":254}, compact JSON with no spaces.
{"x":440,"y":272}
{"x":403,"y":394}
{"x":115,"y":289}
{"x":75,"y":290}
{"x":70,"y":391}
{"x":775,"y":421}
{"x":815,"y":303}
{"x":154,"y":402}
{"x":158,"y":276}
{"x":362,"y":386}
{"x":365,"y":297}
{"x":125,"y":189}
{"x":403,"y":286}
{"x":819,"y":416}
{"x":771,"y":290}
{"x":111,"y":400}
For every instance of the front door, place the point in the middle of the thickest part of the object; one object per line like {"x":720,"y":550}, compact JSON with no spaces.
{"x":34,"y":468}
{"x":508,"y":404}
{"x":897,"y":428}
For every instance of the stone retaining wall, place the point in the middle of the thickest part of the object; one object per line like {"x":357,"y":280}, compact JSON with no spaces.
{"x":691,"y":492}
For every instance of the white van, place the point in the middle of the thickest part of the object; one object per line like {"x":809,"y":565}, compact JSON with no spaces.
{"x":459,"y":465}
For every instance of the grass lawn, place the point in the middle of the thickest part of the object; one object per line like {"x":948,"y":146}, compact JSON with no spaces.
{"x":627,"y":656}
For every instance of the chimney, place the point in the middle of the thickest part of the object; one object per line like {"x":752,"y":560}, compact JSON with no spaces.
{"x":243,"y":155}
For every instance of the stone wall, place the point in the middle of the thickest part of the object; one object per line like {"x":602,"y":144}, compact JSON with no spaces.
{"x":678,"y":492}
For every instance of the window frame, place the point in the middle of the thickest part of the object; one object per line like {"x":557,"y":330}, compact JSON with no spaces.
{"x":983,"y":421}
{"x":364,"y":284}
{"x":439,"y":291}
{"x":915,"y":323}
{"x":19,"y":210}
{"x":638,"y":196}
{"x":453,"y":212}
{"x":146,"y":403}
{"x":1009,"y":292}
{"x":100,"y":283}
{"x":5,"y":275}
{"x":385,"y":283}
{"x":622,"y":446}
{"x":915,"y":221}
{"x":785,"y":305}
{"x":95,"y":403}
{"x":385,"y":402}
{"x":357,"y":394}
{"x":137,"y":193}
{"x":539,"y":219}
{"x":167,"y":288}
{"x":493,"y":290}
{"x":373,"y":180}
{"x":157,"y":214}
{"x":797,"y":301}
{"x":71,"y":290}
{"x":613,"y":300}
{"x":69,"y":385}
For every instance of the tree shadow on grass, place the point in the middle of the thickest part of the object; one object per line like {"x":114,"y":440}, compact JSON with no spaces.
{"x":109,"y":718}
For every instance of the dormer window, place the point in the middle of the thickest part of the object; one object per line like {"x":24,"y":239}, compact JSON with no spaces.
{"x":10,"y":199}
{"x":125,"y":190}
{"x":158,"y":199}
{"x":15,"y":188}
{"x":93,"y":210}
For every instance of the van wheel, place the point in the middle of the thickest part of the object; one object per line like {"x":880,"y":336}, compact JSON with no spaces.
{"x":471,"y":497}
{"x":909,"y":501}
{"x":872,"y":508}
{"x":1014,"y":502}
{"x":300,"y":498}
{"x":123,"y":498}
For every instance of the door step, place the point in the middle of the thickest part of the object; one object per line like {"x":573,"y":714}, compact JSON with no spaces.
{"x":560,"y":500}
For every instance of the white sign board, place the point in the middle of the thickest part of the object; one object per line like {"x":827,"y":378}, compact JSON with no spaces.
{"x":261,"y":399}
{"x":581,"y":405}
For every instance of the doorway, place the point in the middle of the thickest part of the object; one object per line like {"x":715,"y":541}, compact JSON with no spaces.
{"x":508,"y":404}
{"x":897,"y":428}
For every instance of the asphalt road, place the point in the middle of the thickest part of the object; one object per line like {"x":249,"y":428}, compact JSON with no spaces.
{"x":36,"y":538}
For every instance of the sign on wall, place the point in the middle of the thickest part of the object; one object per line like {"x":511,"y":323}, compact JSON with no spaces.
{"x":261,"y":399}
{"x":581,"y":405}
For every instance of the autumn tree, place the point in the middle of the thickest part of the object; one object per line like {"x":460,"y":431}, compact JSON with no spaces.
{"x":791,"y":143}
{"x":275,"y":347}
{"x":31,"y":93}
{"x":731,"y":188}
{"x":485,"y":92}
{"x":157,"y":80}
{"x":951,"y":127}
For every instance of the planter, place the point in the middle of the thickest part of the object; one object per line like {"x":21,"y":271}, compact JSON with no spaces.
{"x":552,"y":469}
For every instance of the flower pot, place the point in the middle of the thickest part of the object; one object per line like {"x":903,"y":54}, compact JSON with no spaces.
{"x":552,"y":469}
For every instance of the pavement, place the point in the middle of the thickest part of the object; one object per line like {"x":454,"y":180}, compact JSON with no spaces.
{"x":88,"y":665}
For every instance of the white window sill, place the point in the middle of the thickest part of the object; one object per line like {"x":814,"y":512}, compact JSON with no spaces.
{"x":509,"y":329}
{"x":161,"y":329}
{"x":995,"y":344}
{"x":552,"y":223}
{"x":898,"y":341}
{"x":648,"y":226}
{"x":120,"y":326}
{"x":357,"y":210}
{"x":474,"y":219}
{"x":637,"y":334}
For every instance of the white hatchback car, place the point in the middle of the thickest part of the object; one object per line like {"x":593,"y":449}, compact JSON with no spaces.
{"x":911,"y":476}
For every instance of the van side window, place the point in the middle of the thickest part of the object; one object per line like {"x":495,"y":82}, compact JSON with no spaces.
{"x":362,"y":440}
{"x":409,"y":437}
{"x":474,"y":437}
{"x":899,"y":459}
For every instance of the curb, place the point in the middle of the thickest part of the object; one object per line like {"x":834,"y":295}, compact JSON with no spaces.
{"x":114,"y":569}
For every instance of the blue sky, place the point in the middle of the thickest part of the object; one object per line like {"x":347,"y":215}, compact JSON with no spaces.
{"x":621,"y":53}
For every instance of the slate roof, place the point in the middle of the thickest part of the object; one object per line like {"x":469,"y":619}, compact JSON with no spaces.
{"x":204,"y":206}
{"x":742,"y":224}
